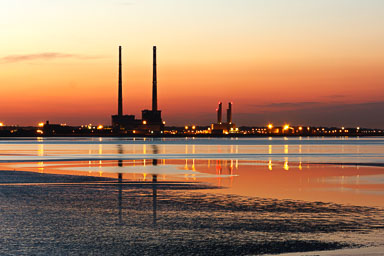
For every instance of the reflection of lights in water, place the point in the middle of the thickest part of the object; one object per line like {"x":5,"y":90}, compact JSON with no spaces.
{"x":231,"y":163}
{"x":193,"y":149}
{"x":40,"y":167}
{"x":300,"y":151}
{"x":144,"y":149}
{"x":100,"y":149}
{"x":40,"y":139}
{"x":237,"y":164}
{"x":186,"y":164}
{"x":163,"y":161}
{"x":144,"y":176}
{"x":231,"y":149}
{"x":40,"y":150}
{"x":144,"y":162}
{"x":134,"y":162}
{"x":100,"y":173}
{"x":286,"y":166}
{"x":270,"y":165}
{"x":286,"y":151}
{"x":186,"y":176}
{"x":237,"y":149}
{"x":300,"y":167}
{"x":193,"y":165}
{"x":186,"y":149}
{"x":270,"y":149}
{"x":218,"y":167}
{"x":194,"y":176}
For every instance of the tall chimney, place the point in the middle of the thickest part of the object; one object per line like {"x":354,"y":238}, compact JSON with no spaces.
{"x":154,"y":82}
{"x":120,"y":100}
{"x":219,"y":113}
{"x":229,"y":113}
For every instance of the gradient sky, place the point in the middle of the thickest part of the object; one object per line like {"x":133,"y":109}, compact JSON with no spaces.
{"x":307,"y":62}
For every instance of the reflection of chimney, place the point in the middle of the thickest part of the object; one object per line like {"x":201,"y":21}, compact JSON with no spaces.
{"x":120,"y":100}
{"x":229,"y":113}
{"x":154,"y":83}
{"x":219,"y":113}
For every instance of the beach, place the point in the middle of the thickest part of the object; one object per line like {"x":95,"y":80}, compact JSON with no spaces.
{"x":141,"y":199}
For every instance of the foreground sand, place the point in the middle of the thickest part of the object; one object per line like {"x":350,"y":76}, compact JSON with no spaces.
{"x":62,"y":214}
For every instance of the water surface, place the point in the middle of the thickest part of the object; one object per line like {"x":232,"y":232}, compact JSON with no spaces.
{"x":217,"y":196}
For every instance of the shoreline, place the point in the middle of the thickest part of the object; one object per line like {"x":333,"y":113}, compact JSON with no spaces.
{"x":196,"y":157}
{"x":238,"y":135}
{"x":362,"y":251}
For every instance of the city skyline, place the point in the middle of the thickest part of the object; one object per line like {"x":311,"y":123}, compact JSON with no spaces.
{"x":303,"y":62}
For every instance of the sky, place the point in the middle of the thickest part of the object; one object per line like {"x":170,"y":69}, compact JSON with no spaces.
{"x":302,"y":62}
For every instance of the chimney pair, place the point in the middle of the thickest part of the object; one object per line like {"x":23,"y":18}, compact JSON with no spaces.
{"x":220,"y":113}
{"x":154,"y":85}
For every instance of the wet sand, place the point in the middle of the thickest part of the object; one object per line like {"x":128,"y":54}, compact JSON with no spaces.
{"x":64,"y":214}
{"x":367,"y":251}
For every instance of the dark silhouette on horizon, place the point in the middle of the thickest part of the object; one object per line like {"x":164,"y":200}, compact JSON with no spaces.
{"x":151,"y":121}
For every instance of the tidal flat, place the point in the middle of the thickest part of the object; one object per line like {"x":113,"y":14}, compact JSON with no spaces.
{"x":186,"y":196}
{"x":52,"y":214}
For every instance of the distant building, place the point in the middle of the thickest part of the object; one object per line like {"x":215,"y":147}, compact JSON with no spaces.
{"x":220,"y":127}
{"x":151,"y":119}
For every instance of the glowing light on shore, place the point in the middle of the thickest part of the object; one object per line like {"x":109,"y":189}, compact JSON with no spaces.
{"x":286,"y":127}
{"x":100,"y":127}
{"x":41,"y":124}
{"x":1,"y":124}
{"x":270,"y":126}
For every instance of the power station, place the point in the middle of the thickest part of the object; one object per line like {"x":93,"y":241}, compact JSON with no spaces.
{"x":221,"y":127}
{"x":151,"y":121}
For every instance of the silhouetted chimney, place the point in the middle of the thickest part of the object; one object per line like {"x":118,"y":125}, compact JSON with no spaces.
{"x":219,"y":113}
{"x":154,"y":82}
{"x":120,"y":100}
{"x":229,"y":113}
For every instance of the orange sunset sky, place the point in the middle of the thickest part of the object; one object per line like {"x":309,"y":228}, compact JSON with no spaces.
{"x":305,"y":62}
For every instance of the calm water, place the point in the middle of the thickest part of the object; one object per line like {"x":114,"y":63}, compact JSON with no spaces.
{"x":190,"y":196}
